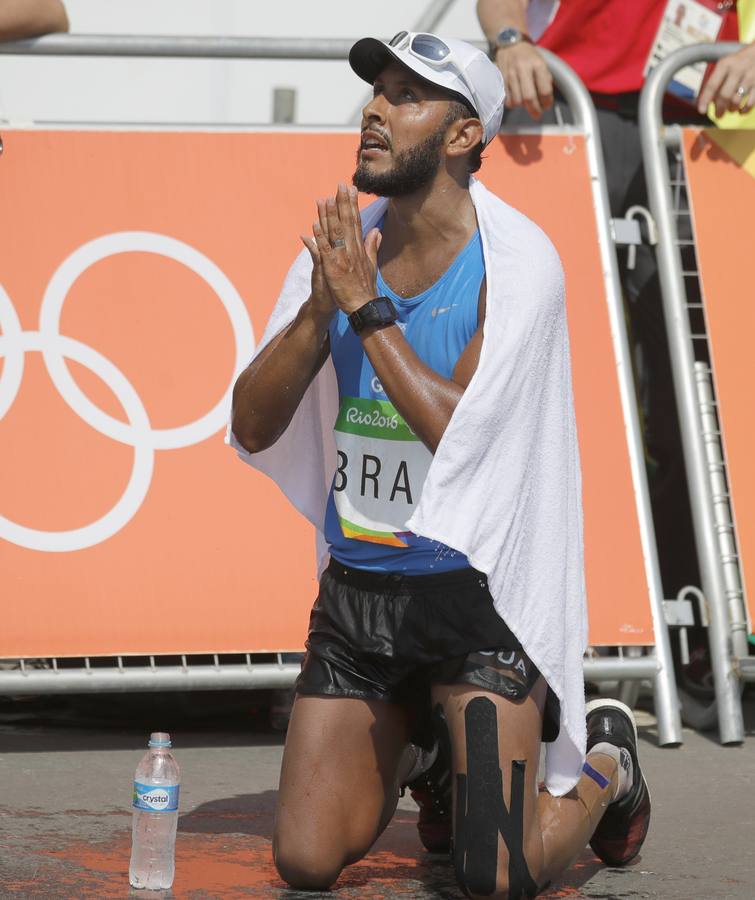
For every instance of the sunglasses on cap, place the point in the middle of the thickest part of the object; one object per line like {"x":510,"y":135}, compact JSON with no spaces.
{"x":434,"y":52}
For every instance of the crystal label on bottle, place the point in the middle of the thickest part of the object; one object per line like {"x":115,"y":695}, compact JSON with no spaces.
{"x":162,"y":798}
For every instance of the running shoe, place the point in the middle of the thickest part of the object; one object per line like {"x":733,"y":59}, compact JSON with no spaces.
{"x":431,"y":791}
{"x":622,"y":830}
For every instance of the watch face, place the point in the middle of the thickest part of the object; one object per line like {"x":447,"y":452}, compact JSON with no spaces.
{"x":509,"y":36}
{"x":384,"y":307}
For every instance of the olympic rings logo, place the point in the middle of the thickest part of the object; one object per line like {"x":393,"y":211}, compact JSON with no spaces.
{"x":138,"y":432}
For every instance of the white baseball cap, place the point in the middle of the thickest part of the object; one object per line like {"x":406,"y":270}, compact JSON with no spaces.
{"x":455,"y":65}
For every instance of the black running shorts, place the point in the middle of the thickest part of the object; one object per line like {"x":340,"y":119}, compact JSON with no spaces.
{"x":390,"y":637}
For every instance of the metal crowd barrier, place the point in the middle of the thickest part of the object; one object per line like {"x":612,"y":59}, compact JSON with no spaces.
{"x":653,"y":664}
{"x":703,"y":455}
{"x":121,"y":674}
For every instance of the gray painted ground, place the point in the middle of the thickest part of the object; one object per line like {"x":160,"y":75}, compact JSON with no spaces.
{"x":66,"y":768}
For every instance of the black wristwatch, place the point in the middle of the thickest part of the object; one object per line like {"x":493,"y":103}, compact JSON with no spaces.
{"x":379,"y":311}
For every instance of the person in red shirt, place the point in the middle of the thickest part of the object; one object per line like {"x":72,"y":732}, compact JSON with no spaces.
{"x":607,"y":43}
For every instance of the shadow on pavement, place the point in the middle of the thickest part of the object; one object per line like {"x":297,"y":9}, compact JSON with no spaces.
{"x":242,"y":814}
{"x":397,"y":866}
{"x":121,"y":721}
{"x":748,"y":716}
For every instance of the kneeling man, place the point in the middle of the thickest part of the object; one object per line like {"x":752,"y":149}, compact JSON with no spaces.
{"x":440,"y":465}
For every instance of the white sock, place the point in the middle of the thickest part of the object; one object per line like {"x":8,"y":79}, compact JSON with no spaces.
{"x":417,"y":760}
{"x":625,"y":773}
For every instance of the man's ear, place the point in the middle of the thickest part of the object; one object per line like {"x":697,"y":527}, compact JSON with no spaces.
{"x":464,"y":135}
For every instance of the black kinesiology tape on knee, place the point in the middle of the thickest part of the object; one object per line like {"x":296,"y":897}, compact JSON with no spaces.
{"x":481,"y":814}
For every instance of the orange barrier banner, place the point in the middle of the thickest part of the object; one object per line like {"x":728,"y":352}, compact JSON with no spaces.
{"x":720,"y":169}
{"x":136,"y":270}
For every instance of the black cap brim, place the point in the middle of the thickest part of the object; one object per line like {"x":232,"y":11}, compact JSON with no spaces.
{"x":369,"y":56}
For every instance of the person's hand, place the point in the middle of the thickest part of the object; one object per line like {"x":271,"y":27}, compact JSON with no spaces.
{"x":348,"y":263}
{"x":321,"y":298}
{"x":526,"y":78}
{"x":731,"y":85}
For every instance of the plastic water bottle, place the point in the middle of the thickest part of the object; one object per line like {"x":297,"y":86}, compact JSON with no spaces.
{"x":153,"y":836}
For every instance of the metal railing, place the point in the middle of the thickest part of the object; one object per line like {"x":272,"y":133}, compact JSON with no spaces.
{"x":584,"y":115}
{"x":173,"y":47}
{"x":693,"y":386}
{"x":657,"y":664}
{"x":186,"y":672}
{"x":216,"y":672}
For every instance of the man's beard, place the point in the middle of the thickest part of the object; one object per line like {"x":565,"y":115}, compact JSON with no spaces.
{"x":412,"y":169}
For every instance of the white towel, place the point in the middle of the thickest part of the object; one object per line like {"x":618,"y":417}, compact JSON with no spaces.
{"x":504,"y":486}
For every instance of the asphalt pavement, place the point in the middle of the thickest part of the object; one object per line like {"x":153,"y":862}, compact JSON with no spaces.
{"x":66,"y":767}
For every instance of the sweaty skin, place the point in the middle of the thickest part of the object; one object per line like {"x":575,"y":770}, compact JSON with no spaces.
{"x":425,"y":399}
{"x":423,"y":232}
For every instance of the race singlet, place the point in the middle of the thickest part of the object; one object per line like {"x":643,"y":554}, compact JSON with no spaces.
{"x":382,"y":464}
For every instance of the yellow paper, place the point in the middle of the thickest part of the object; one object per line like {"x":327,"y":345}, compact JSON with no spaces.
{"x":746,"y":16}
{"x":739,"y":144}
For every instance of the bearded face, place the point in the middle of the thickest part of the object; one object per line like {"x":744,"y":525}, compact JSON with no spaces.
{"x":411,"y":169}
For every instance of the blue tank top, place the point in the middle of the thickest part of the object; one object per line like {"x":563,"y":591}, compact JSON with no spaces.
{"x":382,"y":464}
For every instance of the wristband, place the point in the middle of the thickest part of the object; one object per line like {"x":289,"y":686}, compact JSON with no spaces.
{"x":379,"y":311}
